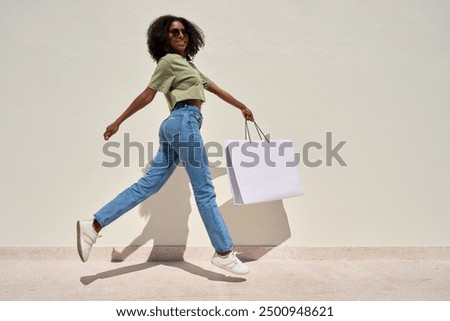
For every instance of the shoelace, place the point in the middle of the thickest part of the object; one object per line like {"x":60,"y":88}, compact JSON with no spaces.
{"x":235,"y":258}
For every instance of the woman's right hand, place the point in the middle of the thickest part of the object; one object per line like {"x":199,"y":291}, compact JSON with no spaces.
{"x":111,"y":130}
{"x":138,"y":103}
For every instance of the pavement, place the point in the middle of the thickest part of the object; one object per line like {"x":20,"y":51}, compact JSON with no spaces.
{"x":41,"y":278}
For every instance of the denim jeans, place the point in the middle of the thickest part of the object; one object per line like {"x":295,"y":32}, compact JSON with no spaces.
{"x":180,"y":140}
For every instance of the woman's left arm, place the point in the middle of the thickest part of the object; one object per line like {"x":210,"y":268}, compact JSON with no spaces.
{"x":246,"y":112}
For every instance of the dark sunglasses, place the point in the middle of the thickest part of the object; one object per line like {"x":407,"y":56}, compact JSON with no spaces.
{"x":176,"y":32}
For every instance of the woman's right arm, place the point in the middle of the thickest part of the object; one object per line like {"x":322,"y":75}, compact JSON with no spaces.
{"x":145,"y":98}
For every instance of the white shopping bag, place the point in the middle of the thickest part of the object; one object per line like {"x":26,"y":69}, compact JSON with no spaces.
{"x":262,"y":170}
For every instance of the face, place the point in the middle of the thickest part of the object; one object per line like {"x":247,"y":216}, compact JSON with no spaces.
{"x":178,"y":39}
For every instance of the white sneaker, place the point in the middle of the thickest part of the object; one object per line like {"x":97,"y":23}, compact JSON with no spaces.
{"x":86,"y":237}
{"x":230,"y":263}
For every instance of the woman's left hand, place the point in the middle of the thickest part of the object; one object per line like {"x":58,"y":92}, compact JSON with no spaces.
{"x":247,"y":113}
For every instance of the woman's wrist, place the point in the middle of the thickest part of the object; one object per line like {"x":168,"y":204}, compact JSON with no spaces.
{"x":241,"y":106}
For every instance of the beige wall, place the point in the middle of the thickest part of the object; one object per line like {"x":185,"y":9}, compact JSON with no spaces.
{"x":373,"y":73}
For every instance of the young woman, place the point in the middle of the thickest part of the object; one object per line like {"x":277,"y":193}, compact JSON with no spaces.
{"x":172,"y":43}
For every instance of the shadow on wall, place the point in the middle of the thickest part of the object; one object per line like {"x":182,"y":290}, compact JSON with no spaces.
{"x":264,"y":224}
{"x":168,"y":211}
{"x":168,"y":214}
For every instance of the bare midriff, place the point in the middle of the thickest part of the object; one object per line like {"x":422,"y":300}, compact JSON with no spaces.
{"x":196,"y":102}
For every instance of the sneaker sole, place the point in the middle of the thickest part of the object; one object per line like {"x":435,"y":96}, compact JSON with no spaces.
{"x":79,"y":241}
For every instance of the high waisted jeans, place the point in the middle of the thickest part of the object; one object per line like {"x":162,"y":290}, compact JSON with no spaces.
{"x":180,"y":140}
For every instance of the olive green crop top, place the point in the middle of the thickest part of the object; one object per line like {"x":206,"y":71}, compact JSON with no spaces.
{"x":178,"y":79}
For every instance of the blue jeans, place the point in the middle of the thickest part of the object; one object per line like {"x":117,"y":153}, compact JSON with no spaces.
{"x":180,"y":140}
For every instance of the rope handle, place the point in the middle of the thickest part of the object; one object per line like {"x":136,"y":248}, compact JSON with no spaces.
{"x":258,"y":131}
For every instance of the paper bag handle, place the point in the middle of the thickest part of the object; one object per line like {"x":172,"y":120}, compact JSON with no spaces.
{"x":258,"y":130}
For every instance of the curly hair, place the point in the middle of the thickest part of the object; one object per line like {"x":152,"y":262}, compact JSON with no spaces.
{"x":158,"y":42}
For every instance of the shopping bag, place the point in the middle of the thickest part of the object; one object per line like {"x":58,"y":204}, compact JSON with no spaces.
{"x":262,"y":170}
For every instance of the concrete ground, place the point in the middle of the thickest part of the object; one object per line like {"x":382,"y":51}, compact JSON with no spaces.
{"x":50,"y":278}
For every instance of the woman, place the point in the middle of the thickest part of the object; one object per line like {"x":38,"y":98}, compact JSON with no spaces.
{"x":172,"y":43}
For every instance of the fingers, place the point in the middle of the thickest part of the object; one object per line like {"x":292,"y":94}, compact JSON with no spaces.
{"x":109,"y":132}
{"x":248,"y":115}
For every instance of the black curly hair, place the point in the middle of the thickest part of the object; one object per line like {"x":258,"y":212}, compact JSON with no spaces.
{"x":158,"y":42}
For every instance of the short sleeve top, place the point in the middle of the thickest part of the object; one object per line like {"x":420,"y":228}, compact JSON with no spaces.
{"x":178,"y":79}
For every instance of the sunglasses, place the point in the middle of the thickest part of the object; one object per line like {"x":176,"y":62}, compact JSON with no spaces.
{"x":176,"y":32}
